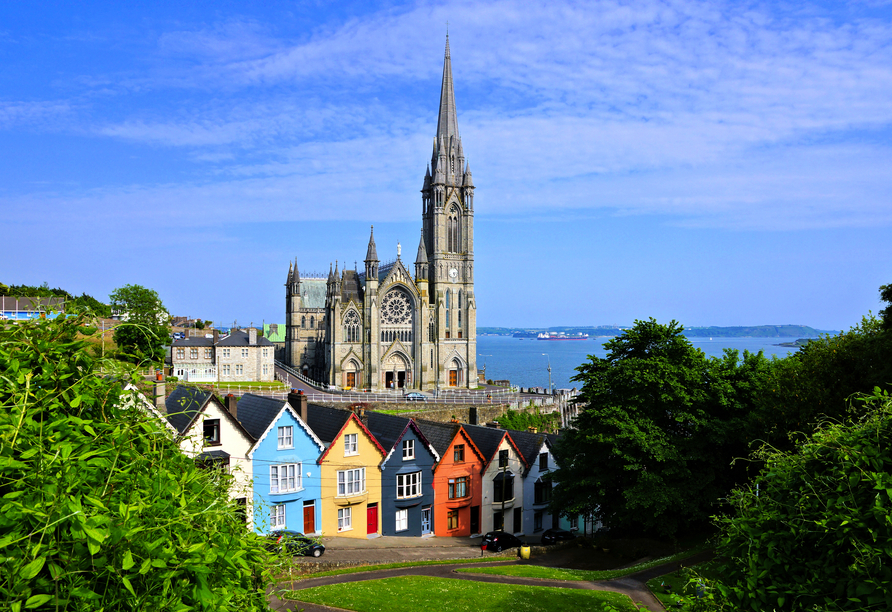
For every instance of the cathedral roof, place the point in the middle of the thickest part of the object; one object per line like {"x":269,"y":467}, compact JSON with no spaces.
{"x":351,"y":287}
{"x":312,"y":291}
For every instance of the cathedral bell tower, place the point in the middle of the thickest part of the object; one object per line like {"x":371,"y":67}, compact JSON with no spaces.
{"x":448,"y":234}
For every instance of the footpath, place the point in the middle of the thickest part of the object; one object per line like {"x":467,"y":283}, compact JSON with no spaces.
{"x":347,"y":551}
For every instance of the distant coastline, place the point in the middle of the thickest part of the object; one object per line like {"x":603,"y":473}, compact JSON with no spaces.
{"x":802,"y":332}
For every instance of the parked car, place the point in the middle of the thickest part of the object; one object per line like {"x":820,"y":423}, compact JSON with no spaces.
{"x":498,"y":541}
{"x":295,"y":543}
{"x":415,"y":396}
{"x":553,"y":536}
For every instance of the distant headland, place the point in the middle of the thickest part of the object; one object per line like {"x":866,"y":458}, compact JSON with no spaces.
{"x":752,"y":331}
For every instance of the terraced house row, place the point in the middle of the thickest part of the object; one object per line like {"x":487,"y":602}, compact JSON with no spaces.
{"x":322,"y":470}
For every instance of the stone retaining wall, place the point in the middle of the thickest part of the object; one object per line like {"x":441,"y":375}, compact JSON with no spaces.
{"x":432,"y":411}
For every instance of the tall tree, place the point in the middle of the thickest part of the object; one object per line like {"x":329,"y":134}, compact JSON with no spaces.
{"x":145,"y":329}
{"x":659,"y":425}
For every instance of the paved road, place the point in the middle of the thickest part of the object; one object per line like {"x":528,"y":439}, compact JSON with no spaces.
{"x":633,"y":585}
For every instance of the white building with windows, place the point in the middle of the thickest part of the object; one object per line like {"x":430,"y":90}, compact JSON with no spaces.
{"x":243,"y":355}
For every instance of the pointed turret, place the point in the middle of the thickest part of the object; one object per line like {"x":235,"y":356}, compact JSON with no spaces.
{"x":290,"y":277}
{"x":469,"y":181}
{"x":371,"y":259}
{"x":422,"y":251}
{"x":447,"y":124}
{"x":421,"y":267}
{"x":372,"y":253}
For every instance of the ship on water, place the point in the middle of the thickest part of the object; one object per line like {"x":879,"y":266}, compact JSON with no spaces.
{"x":560,"y":336}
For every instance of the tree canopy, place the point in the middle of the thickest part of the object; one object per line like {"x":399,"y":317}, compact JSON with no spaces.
{"x":658,"y":428}
{"x":99,"y":509}
{"x":145,"y":331}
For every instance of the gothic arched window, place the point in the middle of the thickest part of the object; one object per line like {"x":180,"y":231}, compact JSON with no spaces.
{"x":351,"y":327}
{"x":303,"y":322}
{"x":312,"y":322}
{"x":453,"y":231}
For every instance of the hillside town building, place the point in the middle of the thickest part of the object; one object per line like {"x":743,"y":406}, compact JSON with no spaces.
{"x":385,"y":327}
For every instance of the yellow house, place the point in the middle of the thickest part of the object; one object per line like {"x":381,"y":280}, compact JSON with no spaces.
{"x":351,"y":477}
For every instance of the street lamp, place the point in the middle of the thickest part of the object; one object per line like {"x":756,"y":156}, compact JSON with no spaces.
{"x":550,"y":387}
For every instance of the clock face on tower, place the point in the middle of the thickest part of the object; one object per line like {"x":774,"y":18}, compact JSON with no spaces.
{"x":396,"y":309}
{"x":453,"y":273}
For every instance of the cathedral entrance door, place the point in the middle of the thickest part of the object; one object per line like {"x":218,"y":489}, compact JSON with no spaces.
{"x":351,"y":380}
{"x":400,"y":379}
{"x":453,"y":378}
{"x":388,"y":380}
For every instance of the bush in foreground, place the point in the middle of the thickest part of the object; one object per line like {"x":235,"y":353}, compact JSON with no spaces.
{"x":99,"y":510}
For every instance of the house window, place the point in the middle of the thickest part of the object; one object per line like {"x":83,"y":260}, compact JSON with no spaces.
{"x":181,"y":353}
{"x":537,"y":521}
{"x":503,"y":458}
{"x":266,"y":352}
{"x":225,"y":369}
{"x":244,"y":353}
{"x":408,"y":485}
{"x":458,"y":453}
{"x":212,"y":431}
{"x":402,"y":520}
{"x":452,"y":519}
{"x":277,"y":517}
{"x":543,"y":462}
{"x":265,"y":369}
{"x":351,"y":482}
{"x":286,"y":437}
{"x":503,"y":487}
{"x":239,"y":369}
{"x":207,"y":353}
{"x":345,"y":519}
{"x":408,"y":449}
{"x":226,"y":353}
{"x":193,"y":353}
{"x":458,"y":487}
{"x":350,"y":445}
{"x":285,"y":478}
{"x":541,"y":492}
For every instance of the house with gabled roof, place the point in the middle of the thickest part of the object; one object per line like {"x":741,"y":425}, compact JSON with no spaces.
{"x":407,"y":491}
{"x":286,"y":478}
{"x":209,"y":431}
{"x":458,"y":489}
{"x":537,"y":451}
{"x":349,"y":469}
{"x":502,"y":503}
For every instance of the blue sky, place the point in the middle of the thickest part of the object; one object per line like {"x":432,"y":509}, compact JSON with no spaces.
{"x":715,"y":163}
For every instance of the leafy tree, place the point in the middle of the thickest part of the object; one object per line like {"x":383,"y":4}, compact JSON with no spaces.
{"x":99,"y":510}
{"x":813,"y":531}
{"x":199,"y":324}
{"x":521,"y":420}
{"x":659,"y":426}
{"x":145,"y":332}
{"x":886,"y":313}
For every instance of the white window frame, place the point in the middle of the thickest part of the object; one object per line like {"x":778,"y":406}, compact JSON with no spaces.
{"x":244,"y":353}
{"x":193,"y":353}
{"x":408,"y":450}
{"x":285,"y":437}
{"x":351,"y":442}
{"x":265,"y":369}
{"x":285,"y":478}
{"x":225,"y":369}
{"x":408,"y":485}
{"x":277,"y":517}
{"x":207,"y":353}
{"x":351,"y":482}
{"x":402,"y":520}
{"x":345,"y":519}
{"x":181,"y":353}
{"x":226,"y":353}
{"x":239,"y":369}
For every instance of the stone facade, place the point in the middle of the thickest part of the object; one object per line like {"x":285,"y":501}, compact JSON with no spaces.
{"x":385,"y":328}
{"x":241,"y":356}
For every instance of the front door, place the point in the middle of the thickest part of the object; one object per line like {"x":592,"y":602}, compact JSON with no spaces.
{"x":475,"y":519}
{"x":351,"y":380}
{"x":310,"y":518}
{"x":425,"y":520}
{"x":498,"y":522}
{"x":453,"y":378}
{"x":372,"y":519}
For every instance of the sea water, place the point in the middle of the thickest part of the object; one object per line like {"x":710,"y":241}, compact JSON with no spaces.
{"x":525,"y":361}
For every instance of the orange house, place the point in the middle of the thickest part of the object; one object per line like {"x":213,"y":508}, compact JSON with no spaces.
{"x":457,"y":481}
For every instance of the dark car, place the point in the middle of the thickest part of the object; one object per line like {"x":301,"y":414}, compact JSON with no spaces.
{"x":295,"y":543}
{"x":415,"y":397}
{"x":553,"y":536}
{"x":498,"y":541}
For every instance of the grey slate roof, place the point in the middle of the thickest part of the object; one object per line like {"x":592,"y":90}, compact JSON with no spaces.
{"x":487,"y":439}
{"x":326,"y":422}
{"x":312,"y":291}
{"x":183,"y":404}
{"x":386,"y":428}
{"x":240,"y":338}
{"x":440,"y":435}
{"x":528,"y":444}
{"x":351,"y":288}
{"x":255,"y":413}
{"x":194,"y":341}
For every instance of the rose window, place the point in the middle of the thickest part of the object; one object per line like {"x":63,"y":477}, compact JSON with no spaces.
{"x":396,"y":309}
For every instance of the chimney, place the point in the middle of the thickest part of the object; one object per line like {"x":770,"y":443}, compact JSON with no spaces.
{"x":160,"y":392}
{"x":533,"y":429}
{"x":252,"y":336}
{"x":298,"y":401}
{"x":232,"y":405}
{"x":216,"y":336}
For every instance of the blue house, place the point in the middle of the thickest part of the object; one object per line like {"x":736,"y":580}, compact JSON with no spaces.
{"x":407,"y":486}
{"x":287,"y":486}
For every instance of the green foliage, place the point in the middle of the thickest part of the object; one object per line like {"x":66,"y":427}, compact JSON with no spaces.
{"x":813,"y":531}
{"x":886,"y":313}
{"x":659,"y":426}
{"x":99,"y":510}
{"x":199,"y":324}
{"x":521,"y":420}
{"x":72,"y":304}
{"x":145,"y":332}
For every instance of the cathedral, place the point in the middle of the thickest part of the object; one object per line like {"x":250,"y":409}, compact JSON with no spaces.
{"x":385,"y":328}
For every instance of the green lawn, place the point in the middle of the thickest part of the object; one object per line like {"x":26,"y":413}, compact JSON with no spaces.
{"x":673,"y":588}
{"x":413,"y":593}
{"x":251,"y":383}
{"x":556,"y":573}
{"x":384,"y":566}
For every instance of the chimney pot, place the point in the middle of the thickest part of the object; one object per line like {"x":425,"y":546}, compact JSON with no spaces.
{"x":232,"y":405}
